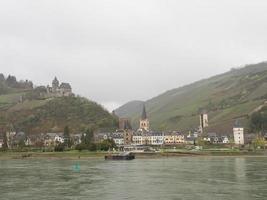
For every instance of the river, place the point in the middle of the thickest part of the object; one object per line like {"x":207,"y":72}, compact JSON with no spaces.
{"x":201,"y":178}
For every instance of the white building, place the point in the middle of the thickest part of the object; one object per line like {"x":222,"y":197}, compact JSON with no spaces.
{"x":59,"y":139}
{"x":137,"y":138}
{"x":147,"y":138}
{"x":238,"y":132}
{"x":225,"y":140}
{"x":119,"y":141}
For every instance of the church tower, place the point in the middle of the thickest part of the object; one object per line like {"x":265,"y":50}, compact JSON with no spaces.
{"x":144,"y":122}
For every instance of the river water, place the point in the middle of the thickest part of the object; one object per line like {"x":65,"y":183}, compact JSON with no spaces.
{"x":164,"y":178}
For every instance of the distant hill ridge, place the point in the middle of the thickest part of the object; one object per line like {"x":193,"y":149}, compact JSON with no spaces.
{"x":228,"y":96}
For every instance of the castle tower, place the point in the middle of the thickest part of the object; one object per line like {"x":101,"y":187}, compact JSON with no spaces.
{"x":55,"y":85}
{"x":144,"y":122}
{"x":204,"y":120}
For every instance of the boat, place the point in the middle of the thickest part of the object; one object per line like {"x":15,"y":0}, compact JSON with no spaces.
{"x":121,"y":156}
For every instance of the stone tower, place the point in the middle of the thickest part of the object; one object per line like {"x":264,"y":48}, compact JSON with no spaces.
{"x":204,"y":120}
{"x":144,"y":122}
{"x":55,"y":85}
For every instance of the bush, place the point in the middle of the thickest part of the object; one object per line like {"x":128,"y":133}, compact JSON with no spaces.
{"x":80,"y":147}
{"x":59,"y":148}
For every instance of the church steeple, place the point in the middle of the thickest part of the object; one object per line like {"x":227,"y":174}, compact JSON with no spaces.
{"x":144,"y":115}
{"x":144,"y":122}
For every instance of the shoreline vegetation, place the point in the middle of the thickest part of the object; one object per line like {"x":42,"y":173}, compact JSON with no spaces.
{"x":76,"y":155}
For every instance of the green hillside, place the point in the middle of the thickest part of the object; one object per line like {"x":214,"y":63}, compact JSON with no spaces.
{"x":226,"y":97}
{"x":128,"y":109}
{"x":26,"y":109}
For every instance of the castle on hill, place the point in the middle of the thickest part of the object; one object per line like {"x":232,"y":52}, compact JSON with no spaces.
{"x":59,"y":90}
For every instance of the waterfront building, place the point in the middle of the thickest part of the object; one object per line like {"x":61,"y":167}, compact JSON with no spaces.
{"x":137,"y":138}
{"x":51,"y":139}
{"x":118,"y":138}
{"x":147,"y":138}
{"x":157,"y":138}
{"x":173,"y":138}
{"x":238,"y":132}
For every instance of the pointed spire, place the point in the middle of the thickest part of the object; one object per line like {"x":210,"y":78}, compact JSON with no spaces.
{"x":144,"y":115}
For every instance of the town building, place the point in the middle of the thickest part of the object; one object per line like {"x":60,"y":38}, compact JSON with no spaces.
{"x":146,"y":138}
{"x":128,"y":135}
{"x":225,"y":140}
{"x":124,"y":124}
{"x":52,"y":139}
{"x":238,"y":132}
{"x":118,"y":138}
{"x":137,"y":138}
{"x":173,"y":138}
{"x":144,"y":122}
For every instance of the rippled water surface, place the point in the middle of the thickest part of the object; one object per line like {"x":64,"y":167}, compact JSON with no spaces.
{"x":165,"y":178}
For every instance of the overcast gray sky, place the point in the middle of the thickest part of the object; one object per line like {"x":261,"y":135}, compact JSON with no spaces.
{"x":114,"y":51}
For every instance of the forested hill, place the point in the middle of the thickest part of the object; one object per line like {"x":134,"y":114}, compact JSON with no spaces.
{"x":24,"y":107}
{"x":227,"y":97}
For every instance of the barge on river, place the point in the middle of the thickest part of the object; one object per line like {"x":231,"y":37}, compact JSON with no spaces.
{"x":121,"y":156}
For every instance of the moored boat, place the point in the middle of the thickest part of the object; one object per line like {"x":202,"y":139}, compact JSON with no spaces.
{"x":122,"y":156}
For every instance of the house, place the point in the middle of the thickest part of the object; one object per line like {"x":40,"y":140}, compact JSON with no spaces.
{"x":51,"y":139}
{"x":209,"y":137}
{"x":36,"y":140}
{"x":225,"y":140}
{"x":1,"y":142}
{"x":142,"y":137}
{"x":100,"y":137}
{"x":128,"y":135}
{"x":118,"y":138}
{"x":190,"y":140}
{"x":137,"y":138}
{"x":173,"y":138}
{"x":156,"y":138}
{"x":249,"y":138}
{"x":19,"y":139}
{"x":77,"y":138}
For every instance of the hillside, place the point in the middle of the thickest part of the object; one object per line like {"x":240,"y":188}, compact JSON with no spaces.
{"x":130,"y":108}
{"x":226,"y":97}
{"x":26,"y":109}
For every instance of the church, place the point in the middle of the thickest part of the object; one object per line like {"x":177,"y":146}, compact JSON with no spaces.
{"x":144,"y":122}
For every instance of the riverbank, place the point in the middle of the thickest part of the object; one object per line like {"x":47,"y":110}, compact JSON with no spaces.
{"x":140,"y":155}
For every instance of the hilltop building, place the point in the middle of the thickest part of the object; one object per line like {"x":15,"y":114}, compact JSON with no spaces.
{"x":59,"y":90}
{"x":144,"y":122}
{"x":238,"y":132}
